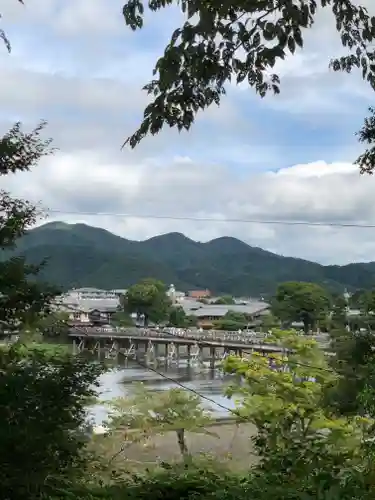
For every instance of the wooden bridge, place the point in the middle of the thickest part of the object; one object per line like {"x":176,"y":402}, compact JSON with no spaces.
{"x":167,"y":345}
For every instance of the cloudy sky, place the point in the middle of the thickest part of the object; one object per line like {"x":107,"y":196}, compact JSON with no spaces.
{"x":285,"y":158}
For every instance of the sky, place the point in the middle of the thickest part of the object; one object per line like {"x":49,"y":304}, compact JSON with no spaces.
{"x":288,"y":157}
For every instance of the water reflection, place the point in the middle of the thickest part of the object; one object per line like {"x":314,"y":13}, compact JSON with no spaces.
{"x":208,"y":382}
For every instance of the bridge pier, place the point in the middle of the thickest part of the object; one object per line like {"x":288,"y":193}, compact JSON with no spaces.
{"x":212,"y":357}
{"x":188,"y":349}
{"x":177,"y":353}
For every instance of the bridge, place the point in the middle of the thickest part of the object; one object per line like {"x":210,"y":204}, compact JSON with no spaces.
{"x":168,"y":344}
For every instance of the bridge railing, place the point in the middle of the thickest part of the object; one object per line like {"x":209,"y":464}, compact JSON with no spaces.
{"x":212,"y":336}
{"x":188,"y":334}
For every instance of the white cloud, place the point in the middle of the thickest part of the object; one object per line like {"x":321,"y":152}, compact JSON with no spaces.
{"x":182,"y":189}
{"x":68,"y":18}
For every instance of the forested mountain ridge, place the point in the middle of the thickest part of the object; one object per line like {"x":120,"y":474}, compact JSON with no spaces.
{"x":81,"y":255}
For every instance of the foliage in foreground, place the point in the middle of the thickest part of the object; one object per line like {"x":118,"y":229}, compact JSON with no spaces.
{"x":43,"y":416}
{"x":173,"y":483}
{"x":355,"y":360}
{"x":305,"y":450}
{"x":240,"y":41}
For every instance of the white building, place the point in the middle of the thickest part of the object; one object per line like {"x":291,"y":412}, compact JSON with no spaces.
{"x":174,"y":295}
{"x":88,"y":293}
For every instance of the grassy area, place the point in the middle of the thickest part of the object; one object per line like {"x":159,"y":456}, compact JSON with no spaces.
{"x":233,"y":447}
{"x":42,"y":347}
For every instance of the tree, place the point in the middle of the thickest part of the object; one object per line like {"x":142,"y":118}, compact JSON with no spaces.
{"x":232,"y":320}
{"x":42,"y":416}
{"x":225,"y":300}
{"x":55,"y":324}
{"x":148,"y":299}
{"x":22,"y":300}
{"x":339,"y":316}
{"x":241,"y":41}
{"x":298,"y":301}
{"x":4,"y":37}
{"x":366,"y":135}
{"x":355,"y":299}
{"x":304,"y":450}
{"x":366,"y":306}
{"x":172,"y":482}
{"x":122,"y":319}
{"x":146,"y":413}
{"x":269,"y":321}
{"x":177,"y":317}
{"x":367,"y":303}
{"x":354,"y":359}
{"x":191,"y":320}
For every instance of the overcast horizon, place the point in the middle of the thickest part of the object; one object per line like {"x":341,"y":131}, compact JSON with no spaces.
{"x":286,"y":158}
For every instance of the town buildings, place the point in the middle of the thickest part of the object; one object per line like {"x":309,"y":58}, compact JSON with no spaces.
{"x":207,"y":314}
{"x":92,"y":306}
{"x":87,"y":306}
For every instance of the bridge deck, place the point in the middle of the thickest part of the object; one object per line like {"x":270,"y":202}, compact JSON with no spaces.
{"x":224,"y":342}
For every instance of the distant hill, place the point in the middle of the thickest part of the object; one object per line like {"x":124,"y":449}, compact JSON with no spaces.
{"x":81,"y":255}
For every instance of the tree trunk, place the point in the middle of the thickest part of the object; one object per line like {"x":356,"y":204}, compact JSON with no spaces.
{"x":145,"y":320}
{"x":306,"y":323}
{"x":182,"y":443}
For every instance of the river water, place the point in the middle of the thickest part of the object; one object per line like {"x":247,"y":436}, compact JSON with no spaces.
{"x":207,"y":382}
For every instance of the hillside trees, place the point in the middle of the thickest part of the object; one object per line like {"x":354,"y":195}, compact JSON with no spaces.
{"x":298,"y":301}
{"x":148,"y":299}
{"x":241,"y":41}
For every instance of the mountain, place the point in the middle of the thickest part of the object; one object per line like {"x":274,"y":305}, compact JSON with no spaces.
{"x":81,"y":255}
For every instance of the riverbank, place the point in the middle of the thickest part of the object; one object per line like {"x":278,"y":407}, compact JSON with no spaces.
{"x":228,"y":442}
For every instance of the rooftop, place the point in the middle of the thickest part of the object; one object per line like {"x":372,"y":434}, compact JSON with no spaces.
{"x":87,"y":305}
{"x":221,"y":310}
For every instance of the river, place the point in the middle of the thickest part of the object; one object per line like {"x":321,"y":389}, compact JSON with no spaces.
{"x":207,"y":382}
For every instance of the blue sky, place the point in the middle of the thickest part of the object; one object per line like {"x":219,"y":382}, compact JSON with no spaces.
{"x":288,"y":157}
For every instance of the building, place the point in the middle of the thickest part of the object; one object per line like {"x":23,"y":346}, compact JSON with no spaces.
{"x":88,"y":293}
{"x":208,"y":314}
{"x":175,"y":295}
{"x":199,"y":294}
{"x":89,"y":306}
{"x":81,"y":314}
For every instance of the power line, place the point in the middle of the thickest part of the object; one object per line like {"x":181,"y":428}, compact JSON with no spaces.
{"x":203,"y":396}
{"x":171,"y":379}
{"x":203,"y":343}
{"x":129,"y":215}
{"x":185,"y":387}
{"x":166,"y":377}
